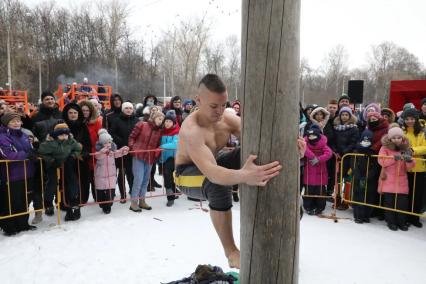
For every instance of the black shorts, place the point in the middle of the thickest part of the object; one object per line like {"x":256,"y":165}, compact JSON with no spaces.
{"x":219,"y":196}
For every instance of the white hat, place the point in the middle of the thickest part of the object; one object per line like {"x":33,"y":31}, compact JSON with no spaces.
{"x":126,"y":104}
{"x":104,"y":136}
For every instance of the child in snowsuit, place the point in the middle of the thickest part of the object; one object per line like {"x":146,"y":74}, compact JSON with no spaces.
{"x":364,"y":177}
{"x":169,"y":141}
{"x":62,"y":148}
{"x":105,"y":170}
{"x":395,"y":157}
{"x":315,"y":176}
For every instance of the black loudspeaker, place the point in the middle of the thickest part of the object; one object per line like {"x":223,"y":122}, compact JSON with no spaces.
{"x":356,"y":91}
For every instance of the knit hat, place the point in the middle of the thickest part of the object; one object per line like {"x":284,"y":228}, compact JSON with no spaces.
{"x":104,"y":136}
{"x":394,"y":131}
{"x":373,"y":106}
{"x":313,"y":134}
{"x":46,"y":94}
{"x":60,"y":128}
{"x":171,"y":115}
{"x":126,"y":104}
{"x":8,"y":116}
{"x":410,"y":112}
{"x":345,"y":109}
{"x":408,"y":106}
{"x":187,"y":102}
{"x":374,"y":114}
{"x":156,"y":114}
{"x":366,"y":139}
{"x":343,"y":97}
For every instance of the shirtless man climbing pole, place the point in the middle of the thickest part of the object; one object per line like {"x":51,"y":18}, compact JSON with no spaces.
{"x":203,"y":172}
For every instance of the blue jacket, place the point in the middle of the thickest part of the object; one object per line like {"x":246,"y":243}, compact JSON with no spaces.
{"x":169,"y":146}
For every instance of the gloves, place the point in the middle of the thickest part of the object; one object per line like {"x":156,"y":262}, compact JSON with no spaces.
{"x":314,"y":161}
{"x":397,"y":157}
{"x":32,"y":155}
{"x":407,"y":157}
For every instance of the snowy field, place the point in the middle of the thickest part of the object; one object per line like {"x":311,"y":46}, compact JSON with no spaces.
{"x":166,"y":244}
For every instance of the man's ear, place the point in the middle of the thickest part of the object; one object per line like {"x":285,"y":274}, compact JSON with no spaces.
{"x":197,"y":99}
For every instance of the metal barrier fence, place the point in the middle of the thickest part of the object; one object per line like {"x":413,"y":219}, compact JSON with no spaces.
{"x":373,"y":197}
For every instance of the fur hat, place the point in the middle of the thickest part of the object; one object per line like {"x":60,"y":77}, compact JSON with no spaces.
{"x":345,"y":109}
{"x":388,"y":112}
{"x":171,"y":115}
{"x":156,"y":114}
{"x":47,"y":94}
{"x":410,"y":112}
{"x":60,"y":128}
{"x":8,"y":116}
{"x":395,"y":130}
{"x":104,"y":136}
{"x":126,"y":104}
{"x":373,"y":114}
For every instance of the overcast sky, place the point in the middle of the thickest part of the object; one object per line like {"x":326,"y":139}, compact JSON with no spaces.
{"x":356,"y":24}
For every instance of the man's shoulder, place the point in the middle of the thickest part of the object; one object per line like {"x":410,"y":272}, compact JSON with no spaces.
{"x":189,"y":127}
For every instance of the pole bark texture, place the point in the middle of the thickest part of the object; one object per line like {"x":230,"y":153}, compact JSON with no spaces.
{"x":270,"y":95}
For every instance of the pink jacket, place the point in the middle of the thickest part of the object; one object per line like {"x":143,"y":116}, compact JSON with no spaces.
{"x":393,"y":178}
{"x":316,"y":175}
{"x":105,"y":171}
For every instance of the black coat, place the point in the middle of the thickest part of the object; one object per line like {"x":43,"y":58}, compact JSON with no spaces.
{"x":111,"y":115}
{"x":79,"y":131}
{"x":44,"y":121}
{"x":121,"y":129}
{"x":345,"y":141}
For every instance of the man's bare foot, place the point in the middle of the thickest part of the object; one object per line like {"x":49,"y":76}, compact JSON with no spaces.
{"x":234,"y":259}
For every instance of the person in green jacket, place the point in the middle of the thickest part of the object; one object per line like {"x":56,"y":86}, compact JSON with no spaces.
{"x":61,"y":149}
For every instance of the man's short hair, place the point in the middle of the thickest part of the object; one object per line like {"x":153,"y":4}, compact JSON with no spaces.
{"x":213,"y":83}
{"x":332,"y":102}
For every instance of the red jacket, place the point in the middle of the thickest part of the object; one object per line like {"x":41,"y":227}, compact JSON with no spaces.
{"x":94,"y":127}
{"x":145,"y":136}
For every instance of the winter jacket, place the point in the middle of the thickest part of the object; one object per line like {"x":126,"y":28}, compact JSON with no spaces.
{"x":145,"y":136}
{"x":112,"y":114}
{"x":418,"y":145}
{"x":105,"y":170}
{"x":44,"y":120}
{"x":378,"y":132}
{"x":393,"y":178}
{"x":79,"y":131}
{"x":169,"y":142}
{"x":316,"y":174}
{"x":55,"y":152}
{"x":345,"y":135}
{"x":15,"y":145}
{"x":122,"y":128}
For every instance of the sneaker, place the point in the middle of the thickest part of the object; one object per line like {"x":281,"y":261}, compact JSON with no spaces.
{"x":123,"y":201}
{"x":49,"y":211}
{"x":144,"y":205}
{"x":393,"y":227}
{"x":37,"y":218}
{"x":403,"y":227}
{"x":170,"y":203}
{"x":134,"y":206}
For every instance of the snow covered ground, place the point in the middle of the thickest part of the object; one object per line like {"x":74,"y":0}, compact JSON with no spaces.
{"x":167,"y":244}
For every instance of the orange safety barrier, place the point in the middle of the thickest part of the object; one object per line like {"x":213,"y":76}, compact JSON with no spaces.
{"x":15,"y":100}
{"x":79,"y":92}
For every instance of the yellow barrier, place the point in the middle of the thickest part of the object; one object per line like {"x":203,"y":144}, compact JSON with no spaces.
{"x":355,"y":156}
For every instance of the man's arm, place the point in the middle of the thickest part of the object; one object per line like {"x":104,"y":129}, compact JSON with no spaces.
{"x":203,"y":158}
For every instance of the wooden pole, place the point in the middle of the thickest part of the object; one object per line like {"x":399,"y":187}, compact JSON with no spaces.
{"x":270,"y":91}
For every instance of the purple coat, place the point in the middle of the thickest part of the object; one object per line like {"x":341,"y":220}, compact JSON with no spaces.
{"x":316,"y":175}
{"x":15,"y":145}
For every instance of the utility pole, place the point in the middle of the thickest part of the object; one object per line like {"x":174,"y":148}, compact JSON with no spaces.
{"x":270,"y":93}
